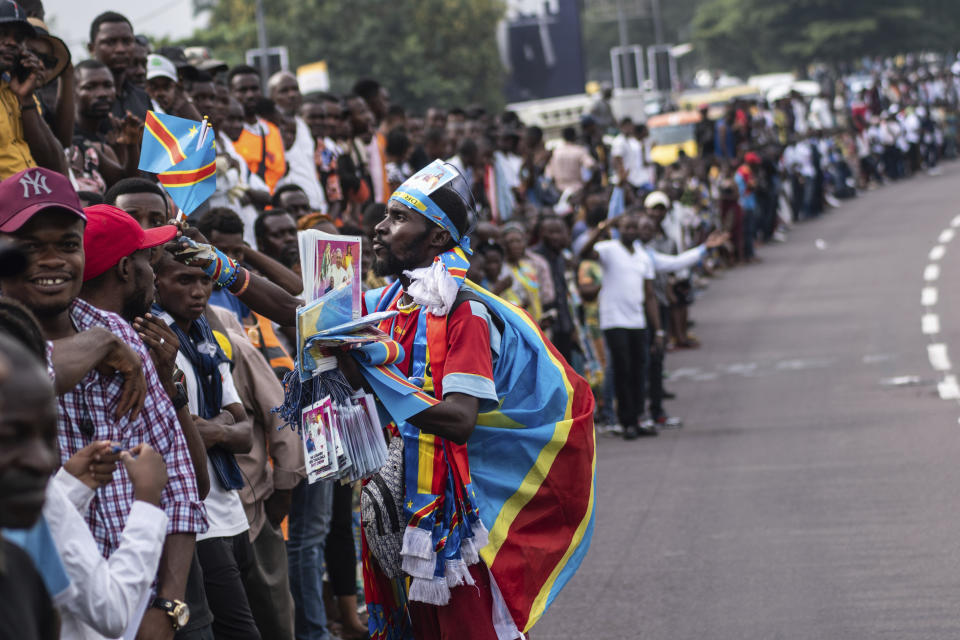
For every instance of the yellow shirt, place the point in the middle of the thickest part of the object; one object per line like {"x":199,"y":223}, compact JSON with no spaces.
{"x":14,"y":151}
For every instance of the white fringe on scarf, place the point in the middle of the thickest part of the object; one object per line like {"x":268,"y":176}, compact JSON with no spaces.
{"x":457,"y":573}
{"x":433,"y":591}
{"x":418,"y":559}
{"x":470,"y":547}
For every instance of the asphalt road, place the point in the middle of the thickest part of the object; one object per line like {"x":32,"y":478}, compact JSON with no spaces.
{"x":815,"y":489}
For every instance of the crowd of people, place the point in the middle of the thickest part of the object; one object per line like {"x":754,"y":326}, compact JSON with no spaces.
{"x":146,"y":485}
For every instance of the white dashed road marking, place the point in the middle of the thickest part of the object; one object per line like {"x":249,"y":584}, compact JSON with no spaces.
{"x":948,"y":389}
{"x":937,"y":353}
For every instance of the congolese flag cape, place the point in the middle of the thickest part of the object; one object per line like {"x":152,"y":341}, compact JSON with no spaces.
{"x":522,"y":489}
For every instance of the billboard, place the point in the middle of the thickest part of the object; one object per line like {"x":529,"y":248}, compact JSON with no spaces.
{"x":541,"y":49}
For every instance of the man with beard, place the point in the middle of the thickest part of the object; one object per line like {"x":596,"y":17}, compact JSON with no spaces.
{"x":25,"y":139}
{"x":466,"y":349}
{"x":93,"y":158}
{"x":259,"y":142}
{"x":40,"y":212}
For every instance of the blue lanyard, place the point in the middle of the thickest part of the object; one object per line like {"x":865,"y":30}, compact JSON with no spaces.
{"x":418,"y":359}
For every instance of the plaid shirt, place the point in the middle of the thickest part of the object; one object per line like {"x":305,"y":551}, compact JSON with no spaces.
{"x":87,"y":413}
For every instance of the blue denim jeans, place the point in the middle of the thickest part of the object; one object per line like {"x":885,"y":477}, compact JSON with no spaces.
{"x":310,"y":511}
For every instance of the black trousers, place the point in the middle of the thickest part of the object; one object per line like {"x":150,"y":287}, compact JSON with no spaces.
{"x":628,"y":349}
{"x":563,"y":341}
{"x":224,"y":560}
{"x":340,"y":551}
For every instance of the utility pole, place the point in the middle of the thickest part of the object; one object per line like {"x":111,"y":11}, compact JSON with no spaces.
{"x":657,"y":22}
{"x":622,"y":23}
{"x":262,"y":42}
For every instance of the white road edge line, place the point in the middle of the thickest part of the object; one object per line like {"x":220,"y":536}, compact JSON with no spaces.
{"x":928,"y":296}
{"x":956,"y":221}
{"x":931,"y":273}
{"x":939,"y":359}
{"x":937,"y":252}
{"x":945,"y":236}
{"x":931,"y":324}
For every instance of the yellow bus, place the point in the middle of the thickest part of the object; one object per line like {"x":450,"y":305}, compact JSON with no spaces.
{"x":671,"y":132}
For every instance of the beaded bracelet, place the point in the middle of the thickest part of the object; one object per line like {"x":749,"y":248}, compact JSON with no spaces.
{"x":246,"y":283}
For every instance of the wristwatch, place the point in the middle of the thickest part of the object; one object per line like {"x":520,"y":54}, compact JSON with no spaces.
{"x":178,"y":611}
{"x":180,"y":399}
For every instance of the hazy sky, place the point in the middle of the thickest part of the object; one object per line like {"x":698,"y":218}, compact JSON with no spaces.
{"x":70,"y":19}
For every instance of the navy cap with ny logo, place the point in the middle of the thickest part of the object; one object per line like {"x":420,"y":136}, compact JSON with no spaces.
{"x":33,"y":190}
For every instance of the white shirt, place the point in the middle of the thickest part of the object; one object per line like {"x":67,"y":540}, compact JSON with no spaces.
{"x":804,"y":160}
{"x":303,"y":170}
{"x":225,"y":512}
{"x":105,"y":596}
{"x":667,"y":263}
{"x":621,"y":297}
{"x":229,"y":181}
{"x":911,"y":125}
{"x":634,"y":158}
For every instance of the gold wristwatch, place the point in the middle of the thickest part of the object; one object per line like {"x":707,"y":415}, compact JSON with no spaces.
{"x":178,"y":611}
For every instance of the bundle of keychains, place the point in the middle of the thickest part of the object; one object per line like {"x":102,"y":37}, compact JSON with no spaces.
{"x":340,"y":428}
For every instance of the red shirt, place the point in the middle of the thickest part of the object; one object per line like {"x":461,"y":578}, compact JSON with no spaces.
{"x":472,"y":345}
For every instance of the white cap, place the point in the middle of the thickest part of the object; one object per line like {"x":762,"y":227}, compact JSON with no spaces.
{"x":657,"y":198}
{"x":160,"y":67}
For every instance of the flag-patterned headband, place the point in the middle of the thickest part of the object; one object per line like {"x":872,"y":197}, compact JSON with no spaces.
{"x":415,"y":194}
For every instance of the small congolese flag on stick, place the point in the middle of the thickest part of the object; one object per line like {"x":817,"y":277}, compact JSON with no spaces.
{"x":183,"y":155}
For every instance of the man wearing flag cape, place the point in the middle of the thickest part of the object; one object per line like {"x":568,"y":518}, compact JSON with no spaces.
{"x":498,"y":472}
{"x":485,"y":507}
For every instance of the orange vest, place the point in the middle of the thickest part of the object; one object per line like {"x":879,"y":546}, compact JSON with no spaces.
{"x":265,"y":339}
{"x":252,"y":148}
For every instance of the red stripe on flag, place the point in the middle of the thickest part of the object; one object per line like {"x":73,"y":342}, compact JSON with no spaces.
{"x":542,"y":531}
{"x":187,"y":178}
{"x":164,"y":137}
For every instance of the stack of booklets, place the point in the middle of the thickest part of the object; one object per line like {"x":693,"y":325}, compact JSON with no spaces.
{"x":341,"y":430}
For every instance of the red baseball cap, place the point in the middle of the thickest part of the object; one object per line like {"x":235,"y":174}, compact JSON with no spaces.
{"x":751,"y":158}
{"x":112,"y":234}
{"x":31,"y":191}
